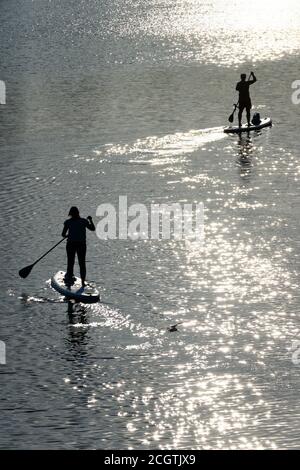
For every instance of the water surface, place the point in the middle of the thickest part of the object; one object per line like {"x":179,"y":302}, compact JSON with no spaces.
{"x":110,"y":98}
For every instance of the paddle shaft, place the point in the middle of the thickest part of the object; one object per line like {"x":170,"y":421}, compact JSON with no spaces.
{"x":45,"y":254}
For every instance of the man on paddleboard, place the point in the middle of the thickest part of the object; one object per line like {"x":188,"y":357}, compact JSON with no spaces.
{"x":75,"y":230}
{"x":244,"y":98}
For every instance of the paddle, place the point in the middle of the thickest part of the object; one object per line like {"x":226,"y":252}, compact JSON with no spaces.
{"x":26,"y":271}
{"x":231,"y":117}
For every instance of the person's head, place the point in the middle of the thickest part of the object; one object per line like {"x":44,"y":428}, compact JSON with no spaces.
{"x":243,"y":77}
{"x":74,"y":212}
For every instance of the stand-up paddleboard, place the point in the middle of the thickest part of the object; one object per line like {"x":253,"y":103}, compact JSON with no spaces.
{"x":87,"y":295}
{"x":266,"y":122}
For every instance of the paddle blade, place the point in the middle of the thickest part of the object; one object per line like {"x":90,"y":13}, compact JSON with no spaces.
{"x":231,"y":117}
{"x":25,"y":271}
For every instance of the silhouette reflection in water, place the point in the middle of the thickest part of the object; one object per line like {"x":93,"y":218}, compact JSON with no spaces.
{"x":245,"y":150}
{"x":77,"y":316}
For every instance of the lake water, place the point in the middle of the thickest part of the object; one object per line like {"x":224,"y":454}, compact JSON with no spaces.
{"x":122,"y":97}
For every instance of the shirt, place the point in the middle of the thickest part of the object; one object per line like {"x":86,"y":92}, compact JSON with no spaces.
{"x":76,"y":229}
{"x":243,"y":89}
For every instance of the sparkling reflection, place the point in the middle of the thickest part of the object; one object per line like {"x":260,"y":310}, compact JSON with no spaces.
{"x":224,"y":30}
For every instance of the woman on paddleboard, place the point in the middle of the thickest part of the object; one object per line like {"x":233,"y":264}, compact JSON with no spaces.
{"x":75,"y":231}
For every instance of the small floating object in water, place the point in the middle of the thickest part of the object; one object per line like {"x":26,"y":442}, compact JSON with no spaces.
{"x":174,"y":327}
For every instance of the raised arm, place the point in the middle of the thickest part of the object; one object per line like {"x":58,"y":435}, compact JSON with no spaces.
{"x":254,"y":79}
{"x":90,"y":225}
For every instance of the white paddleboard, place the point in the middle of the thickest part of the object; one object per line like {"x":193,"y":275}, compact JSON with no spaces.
{"x":266,"y":122}
{"x":87,"y":295}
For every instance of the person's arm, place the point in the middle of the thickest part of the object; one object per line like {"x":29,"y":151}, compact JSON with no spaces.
{"x":254,"y":79}
{"x":65,"y":230}
{"x":90,"y":224}
{"x":237,"y":87}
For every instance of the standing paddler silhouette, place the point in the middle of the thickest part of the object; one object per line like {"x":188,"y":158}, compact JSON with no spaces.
{"x":244,"y":96}
{"x":75,"y":231}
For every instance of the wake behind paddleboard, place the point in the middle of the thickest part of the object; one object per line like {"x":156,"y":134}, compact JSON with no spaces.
{"x":266,"y":122}
{"x":87,"y":295}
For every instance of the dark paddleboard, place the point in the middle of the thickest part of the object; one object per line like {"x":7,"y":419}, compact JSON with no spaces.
{"x":87,"y":295}
{"x":266,"y":122}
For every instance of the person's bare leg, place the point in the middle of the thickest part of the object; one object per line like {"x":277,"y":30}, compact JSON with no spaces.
{"x":240,"y":118}
{"x":248,"y":117}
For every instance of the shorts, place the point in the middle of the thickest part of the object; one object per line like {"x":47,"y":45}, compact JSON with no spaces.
{"x":245,"y":105}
